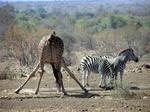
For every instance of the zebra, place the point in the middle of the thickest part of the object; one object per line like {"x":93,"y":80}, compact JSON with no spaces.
{"x":116,"y":64}
{"x":99,"y":65}
{"x":51,"y":49}
{"x":119,"y":62}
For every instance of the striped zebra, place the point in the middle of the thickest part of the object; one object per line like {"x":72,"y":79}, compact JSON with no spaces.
{"x":114,"y":64}
{"x":96,"y":65}
{"x":119,"y":62}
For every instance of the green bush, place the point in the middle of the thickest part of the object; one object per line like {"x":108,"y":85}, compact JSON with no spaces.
{"x":117,"y":22}
{"x":9,"y":73}
{"x":147,"y":23}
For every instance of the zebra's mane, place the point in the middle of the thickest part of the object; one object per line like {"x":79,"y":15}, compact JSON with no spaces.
{"x":129,"y":49}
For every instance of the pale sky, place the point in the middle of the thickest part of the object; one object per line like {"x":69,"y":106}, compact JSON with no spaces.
{"x":33,"y":0}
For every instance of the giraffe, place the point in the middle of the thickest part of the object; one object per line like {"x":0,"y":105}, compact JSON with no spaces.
{"x":51,"y":49}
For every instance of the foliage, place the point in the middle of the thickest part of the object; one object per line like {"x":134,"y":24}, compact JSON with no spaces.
{"x":19,"y":47}
{"x":147,"y":23}
{"x":7,"y":18}
{"x":7,"y":14}
{"x":10,"y":74}
{"x":69,"y":41}
{"x":98,"y":27}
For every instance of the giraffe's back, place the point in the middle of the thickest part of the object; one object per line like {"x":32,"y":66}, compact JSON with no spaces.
{"x":51,"y":49}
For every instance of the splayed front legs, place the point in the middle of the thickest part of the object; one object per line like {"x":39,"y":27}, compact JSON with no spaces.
{"x":29,"y":77}
{"x":57,"y":74}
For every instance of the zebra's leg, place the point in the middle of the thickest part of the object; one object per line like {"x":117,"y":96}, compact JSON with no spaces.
{"x":100,"y":80}
{"x":103,"y":75}
{"x":121,"y":78}
{"x":29,"y":77}
{"x":103,"y":81}
{"x":41,"y":75}
{"x":110,"y":85}
{"x":110,"y":75}
{"x":115,"y":78}
{"x":87,"y":78}
{"x":83,"y":77}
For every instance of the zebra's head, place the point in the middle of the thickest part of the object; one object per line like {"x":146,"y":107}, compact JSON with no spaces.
{"x":129,"y":55}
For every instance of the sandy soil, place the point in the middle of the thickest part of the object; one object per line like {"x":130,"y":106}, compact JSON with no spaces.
{"x":134,"y":97}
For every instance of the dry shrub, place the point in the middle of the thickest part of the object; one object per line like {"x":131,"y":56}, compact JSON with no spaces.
{"x":21,"y":45}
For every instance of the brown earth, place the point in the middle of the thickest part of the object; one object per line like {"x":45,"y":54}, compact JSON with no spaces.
{"x":133,"y":97}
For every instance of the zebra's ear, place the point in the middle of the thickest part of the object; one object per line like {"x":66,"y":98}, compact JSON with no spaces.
{"x":54,"y":33}
{"x":131,"y":50}
{"x":123,"y":58}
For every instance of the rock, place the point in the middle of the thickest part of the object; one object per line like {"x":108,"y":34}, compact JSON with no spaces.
{"x":145,"y":97}
{"x":5,"y":91}
{"x":84,"y":110}
{"x":126,"y":106}
{"x":140,"y":109}
{"x":112,"y":109}
{"x":137,"y":70}
{"x":78,"y":69}
{"x":92,"y":105}
{"x":146,"y":66}
{"x":134,"y":88}
{"x":63,"y":69}
{"x":21,"y":99}
{"x":108,"y":98}
{"x":99,"y":109}
{"x":130,"y":108}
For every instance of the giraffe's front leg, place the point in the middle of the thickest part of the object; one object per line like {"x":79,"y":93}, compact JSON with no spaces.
{"x":41,"y":75}
{"x":29,"y":77}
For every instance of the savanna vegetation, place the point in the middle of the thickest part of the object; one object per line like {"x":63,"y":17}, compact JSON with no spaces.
{"x":91,"y":27}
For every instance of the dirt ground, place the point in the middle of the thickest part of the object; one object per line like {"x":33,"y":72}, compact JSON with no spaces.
{"x":133,"y":97}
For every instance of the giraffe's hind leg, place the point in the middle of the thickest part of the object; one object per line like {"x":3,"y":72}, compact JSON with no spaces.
{"x":58,"y":76}
{"x":61,"y":82}
{"x":29,"y":77}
